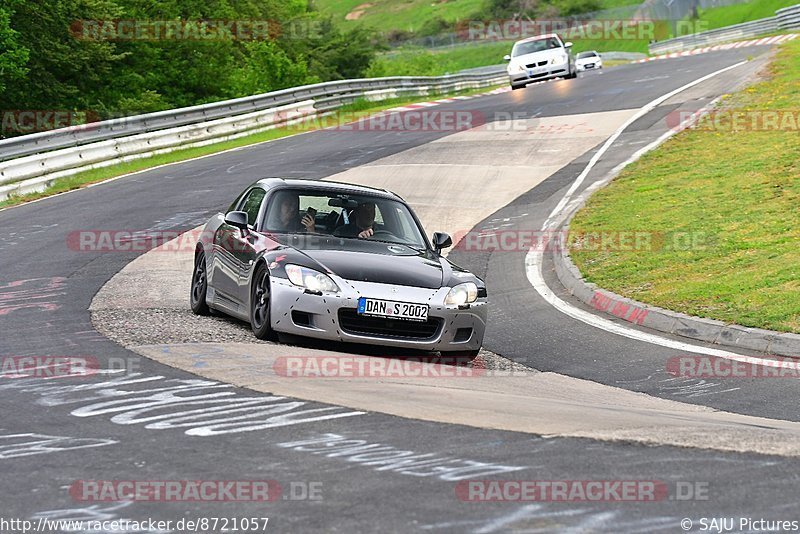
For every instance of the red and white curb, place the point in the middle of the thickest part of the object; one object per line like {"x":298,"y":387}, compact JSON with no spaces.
{"x":777,"y":39}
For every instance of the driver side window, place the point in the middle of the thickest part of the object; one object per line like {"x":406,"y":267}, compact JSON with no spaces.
{"x":252,"y":204}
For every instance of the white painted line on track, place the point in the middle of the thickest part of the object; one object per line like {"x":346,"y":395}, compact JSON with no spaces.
{"x":647,"y":108}
{"x":534,"y":258}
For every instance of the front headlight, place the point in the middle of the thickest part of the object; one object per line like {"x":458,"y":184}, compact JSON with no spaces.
{"x":560,"y":59}
{"x":310,"y":279}
{"x":516,"y":67}
{"x":462,"y":294}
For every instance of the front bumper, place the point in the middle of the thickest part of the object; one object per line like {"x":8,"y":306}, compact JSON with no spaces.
{"x":295,"y":311}
{"x":546,"y":72}
{"x":589,"y":66}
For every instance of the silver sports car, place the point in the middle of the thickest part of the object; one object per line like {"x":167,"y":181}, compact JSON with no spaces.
{"x":338,"y":262}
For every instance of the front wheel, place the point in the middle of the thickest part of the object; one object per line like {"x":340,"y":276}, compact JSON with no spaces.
{"x":515,"y":87}
{"x":197,"y":295}
{"x":260,"y":306}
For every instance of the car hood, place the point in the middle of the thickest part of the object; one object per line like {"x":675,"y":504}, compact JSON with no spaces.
{"x":544,"y":55}
{"x":402,"y":270}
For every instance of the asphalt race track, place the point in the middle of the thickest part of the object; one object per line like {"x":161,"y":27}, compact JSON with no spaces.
{"x":56,"y":432}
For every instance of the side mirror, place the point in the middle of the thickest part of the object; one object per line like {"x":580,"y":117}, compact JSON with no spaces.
{"x":237,"y":219}
{"x":506,"y":58}
{"x":568,"y":44}
{"x":441,"y":241}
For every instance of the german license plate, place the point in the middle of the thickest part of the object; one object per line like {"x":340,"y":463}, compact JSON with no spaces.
{"x":537,"y":70}
{"x":394,"y":310}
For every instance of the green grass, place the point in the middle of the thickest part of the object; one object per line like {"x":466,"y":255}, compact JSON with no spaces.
{"x":736,"y":191}
{"x":82,"y":179}
{"x":411,"y":15}
{"x":407,"y":15}
{"x":719,"y":17}
{"x":421,"y":62}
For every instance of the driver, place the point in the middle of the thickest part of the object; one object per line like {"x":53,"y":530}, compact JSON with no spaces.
{"x":362,"y":223}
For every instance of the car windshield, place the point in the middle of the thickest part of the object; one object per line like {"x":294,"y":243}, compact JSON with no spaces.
{"x":347,"y":216}
{"x":529,"y":47}
{"x":584,"y":55}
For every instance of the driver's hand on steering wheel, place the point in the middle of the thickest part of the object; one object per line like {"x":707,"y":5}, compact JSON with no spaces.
{"x":366,"y":233}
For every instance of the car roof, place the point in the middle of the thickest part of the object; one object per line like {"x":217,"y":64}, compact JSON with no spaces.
{"x":536,"y":38}
{"x":316,"y":185}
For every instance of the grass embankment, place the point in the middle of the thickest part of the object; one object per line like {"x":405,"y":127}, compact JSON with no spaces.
{"x":737,"y":190}
{"x":353,"y":111}
{"x":411,"y":15}
{"x":387,"y":15}
{"x":718,"y":17}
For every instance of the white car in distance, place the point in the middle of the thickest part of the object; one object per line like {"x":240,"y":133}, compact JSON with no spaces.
{"x":589,"y":60}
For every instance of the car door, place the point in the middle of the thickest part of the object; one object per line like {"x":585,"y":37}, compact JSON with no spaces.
{"x":233,"y":248}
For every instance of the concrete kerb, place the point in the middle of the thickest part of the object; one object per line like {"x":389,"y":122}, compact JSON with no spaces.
{"x":767,"y":342}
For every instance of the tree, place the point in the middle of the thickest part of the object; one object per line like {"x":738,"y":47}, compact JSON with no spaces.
{"x":64,"y":72}
{"x":13,"y":55}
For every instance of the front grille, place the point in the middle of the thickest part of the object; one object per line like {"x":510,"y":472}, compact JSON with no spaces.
{"x":539,"y":64}
{"x":353,"y":323}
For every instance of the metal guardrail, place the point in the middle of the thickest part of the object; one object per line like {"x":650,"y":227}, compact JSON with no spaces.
{"x":720,"y":35}
{"x":785,"y":19}
{"x":789,"y":17}
{"x":326,"y":96}
{"x":33,"y":162}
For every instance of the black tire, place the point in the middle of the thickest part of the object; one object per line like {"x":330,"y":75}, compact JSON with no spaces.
{"x":515,"y":87}
{"x":572,"y":75}
{"x":199,"y":289}
{"x":260,"y":305}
